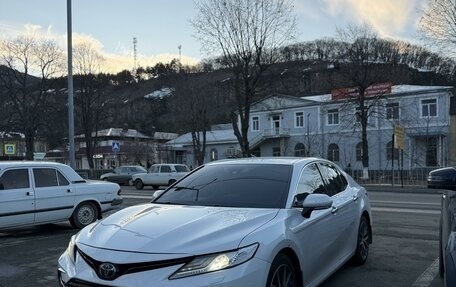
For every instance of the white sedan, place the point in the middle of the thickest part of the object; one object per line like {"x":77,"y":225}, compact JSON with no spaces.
{"x":46,"y":192}
{"x":248,"y":222}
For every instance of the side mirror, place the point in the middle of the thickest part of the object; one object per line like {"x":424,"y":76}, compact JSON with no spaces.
{"x":311,"y":202}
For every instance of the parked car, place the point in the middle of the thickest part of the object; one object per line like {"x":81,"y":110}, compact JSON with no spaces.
{"x":445,"y":179}
{"x":160,"y":174}
{"x":245,"y":222}
{"x":123,"y":174}
{"x":46,"y":192}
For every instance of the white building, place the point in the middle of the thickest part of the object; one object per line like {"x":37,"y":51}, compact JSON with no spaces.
{"x":328,"y":127}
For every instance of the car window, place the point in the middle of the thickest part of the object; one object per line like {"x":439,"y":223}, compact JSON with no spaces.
{"x":62,"y":180}
{"x":155,"y":168}
{"x":181,"y":168}
{"x":15,"y":178}
{"x":45,"y":177}
{"x":234,"y":185}
{"x":165,"y":168}
{"x":334,"y":183}
{"x":310,"y":181}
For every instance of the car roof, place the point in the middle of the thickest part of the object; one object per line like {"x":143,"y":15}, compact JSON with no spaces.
{"x":4,"y":164}
{"x":69,"y":172}
{"x":269,"y":160}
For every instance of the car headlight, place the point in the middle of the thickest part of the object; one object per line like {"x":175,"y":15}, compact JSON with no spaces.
{"x":72,"y":249}
{"x":215,"y":262}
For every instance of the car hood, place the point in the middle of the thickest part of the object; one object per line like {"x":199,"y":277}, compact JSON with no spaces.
{"x":175,"y":229}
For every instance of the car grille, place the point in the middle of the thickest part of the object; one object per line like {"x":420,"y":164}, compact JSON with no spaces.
{"x":122,"y":269}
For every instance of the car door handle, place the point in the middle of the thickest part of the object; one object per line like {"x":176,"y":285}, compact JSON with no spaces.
{"x":30,"y":193}
{"x":334,"y":209}
{"x":355,"y":197}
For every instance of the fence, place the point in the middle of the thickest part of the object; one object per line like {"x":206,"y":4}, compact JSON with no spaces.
{"x":406,"y":177}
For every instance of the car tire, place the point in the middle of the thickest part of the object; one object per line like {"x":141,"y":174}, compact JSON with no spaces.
{"x":84,"y":214}
{"x":282,"y":273}
{"x":171,"y":181}
{"x":362,"y":244}
{"x":139,"y":184}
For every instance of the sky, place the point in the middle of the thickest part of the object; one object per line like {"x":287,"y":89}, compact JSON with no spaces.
{"x":161,"y":26}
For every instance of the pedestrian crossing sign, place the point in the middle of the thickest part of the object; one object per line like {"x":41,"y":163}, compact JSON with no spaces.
{"x":10,"y":149}
{"x":115,"y":146}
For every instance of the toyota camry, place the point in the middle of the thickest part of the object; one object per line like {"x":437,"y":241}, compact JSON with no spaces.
{"x":246,"y":222}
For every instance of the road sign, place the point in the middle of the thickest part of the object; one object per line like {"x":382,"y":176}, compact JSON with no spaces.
{"x":399,"y":135}
{"x":115,"y":146}
{"x":10,"y":149}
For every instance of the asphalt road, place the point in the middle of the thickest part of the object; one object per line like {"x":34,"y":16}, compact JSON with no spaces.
{"x":404,"y":251}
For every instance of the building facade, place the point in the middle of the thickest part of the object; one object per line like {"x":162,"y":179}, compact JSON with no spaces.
{"x":329,"y":127}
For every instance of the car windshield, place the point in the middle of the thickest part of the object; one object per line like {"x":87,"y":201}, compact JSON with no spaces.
{"x":232,"y":185}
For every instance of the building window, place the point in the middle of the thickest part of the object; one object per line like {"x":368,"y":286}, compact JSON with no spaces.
{"x":429,"y":108}
{"x":392,"y":111}
{"x":359,"y":151}
{"x":300,"y":150}
{"x":299,"y":120}
{"x":276,"y":151}
{"x":333,"y":117}
{"x":333,"y":152}
{"x":389,"y":153}
{"x":214,"y":154}
{"x":255,"y":124}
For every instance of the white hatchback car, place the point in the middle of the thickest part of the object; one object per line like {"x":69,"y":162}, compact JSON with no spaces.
{"x":46,"y":192}
{"x":247,"y":222}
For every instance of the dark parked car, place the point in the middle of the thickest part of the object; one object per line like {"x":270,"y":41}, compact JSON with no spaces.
{"x":122,"y":174}
{"x":445,"y":179}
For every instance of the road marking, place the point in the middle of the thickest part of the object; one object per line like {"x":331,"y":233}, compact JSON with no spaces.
{"x":405,"y":210}
{"x":428,"y":275}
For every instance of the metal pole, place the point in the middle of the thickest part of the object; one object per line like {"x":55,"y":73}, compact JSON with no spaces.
{"x":70,"y":87}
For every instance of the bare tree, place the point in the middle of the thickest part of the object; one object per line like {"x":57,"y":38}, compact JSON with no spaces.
{"x":195,"y":104}
{"x":248,"y":35}
{"x":91,"y":97}
{"x":438,"y":24}
{"x":360,"y":70}
{"x":31,"y":67}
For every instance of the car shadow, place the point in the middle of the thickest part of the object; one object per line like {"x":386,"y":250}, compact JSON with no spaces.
{"x":38,"y":230}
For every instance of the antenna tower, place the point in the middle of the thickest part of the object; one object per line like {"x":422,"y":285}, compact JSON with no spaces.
{"x":135,"y":41}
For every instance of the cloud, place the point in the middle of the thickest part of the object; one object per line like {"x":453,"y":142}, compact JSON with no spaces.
{"x":388,"y":17}
{"x":115,"y":62}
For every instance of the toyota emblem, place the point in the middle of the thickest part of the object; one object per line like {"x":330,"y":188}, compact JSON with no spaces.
{"x":108,"y":271}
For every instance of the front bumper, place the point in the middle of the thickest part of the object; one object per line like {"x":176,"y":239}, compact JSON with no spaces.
{"x":250,"y":274}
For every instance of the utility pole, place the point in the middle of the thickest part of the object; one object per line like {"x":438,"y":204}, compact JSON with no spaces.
{"x":70,"y":88}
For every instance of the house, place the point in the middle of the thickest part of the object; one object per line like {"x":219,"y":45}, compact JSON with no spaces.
{"x":118,"y":146}
{"x":327,"y":126}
